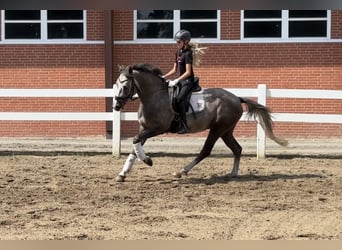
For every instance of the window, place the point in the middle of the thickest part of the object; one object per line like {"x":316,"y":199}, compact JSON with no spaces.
{"x":285,"y":24}
{"x":154,"y":24}
{"x":43,"y":24}
{"x":264,"y":23}
{"x":22,"y":24}
{"x":163,"y":24}
{"x":307,"y":23}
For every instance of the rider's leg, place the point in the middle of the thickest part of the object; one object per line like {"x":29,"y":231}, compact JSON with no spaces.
{"x":181,"y":101}
{"x":182,"y":113}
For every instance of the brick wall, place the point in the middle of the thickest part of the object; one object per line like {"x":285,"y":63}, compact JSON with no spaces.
{"x":95,"y":25}
{"x":279,"y":65}
{"x":55,"y":66}
{"x":336,"y":24}
{"x":123,"y":25}
{"x":52,"y":66}
{"x":301,"y":66}
{"x":230,"y":24}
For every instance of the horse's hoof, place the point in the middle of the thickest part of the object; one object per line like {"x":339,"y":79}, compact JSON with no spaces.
{"x":120,"y":178}
{"x":177,"y":174}
{"x":148,"y":161}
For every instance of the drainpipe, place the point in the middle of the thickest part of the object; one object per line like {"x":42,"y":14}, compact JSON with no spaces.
{"x":108,"y":46}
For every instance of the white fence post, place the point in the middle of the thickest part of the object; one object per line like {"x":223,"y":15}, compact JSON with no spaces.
{"x":261,"y":136}
{"x":116,"y":129}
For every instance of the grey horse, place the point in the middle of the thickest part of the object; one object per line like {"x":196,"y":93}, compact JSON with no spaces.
{"x":221,"y":112}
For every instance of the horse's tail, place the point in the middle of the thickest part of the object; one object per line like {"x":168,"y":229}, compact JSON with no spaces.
{"x":264,"y":114}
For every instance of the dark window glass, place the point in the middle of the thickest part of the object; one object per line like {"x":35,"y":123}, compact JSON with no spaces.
{"x":262,"y":29}
{"x":308,"y":29}
{"x":201,"y":30}
{"x":262,"y":13}
{"x":198,"y":14}
{"x":22,"y":14}
{"x":65,"y":30}
{"x":22,"y":30}
{"x":154,"y":14}
{"x":307,"y":13}
{"x":65,"y":15}
{"x":154,"y":30}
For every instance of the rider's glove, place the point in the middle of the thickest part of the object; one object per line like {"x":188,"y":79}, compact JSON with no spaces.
{"x":173,"y":82}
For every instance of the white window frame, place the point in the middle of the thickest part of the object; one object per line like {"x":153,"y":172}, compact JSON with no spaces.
{"x":176,"y":26}
{"x":44,"y":29}
{"x":285,"y":19}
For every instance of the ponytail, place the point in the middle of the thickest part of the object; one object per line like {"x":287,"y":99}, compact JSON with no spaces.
{"x":197,"y":52}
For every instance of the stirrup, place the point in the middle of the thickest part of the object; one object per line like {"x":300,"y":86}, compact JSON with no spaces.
{"x":184,"y":129}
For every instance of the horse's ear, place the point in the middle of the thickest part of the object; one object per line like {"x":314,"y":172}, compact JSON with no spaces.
{"x":121,"y":67}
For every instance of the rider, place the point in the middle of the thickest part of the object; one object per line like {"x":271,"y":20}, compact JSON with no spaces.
{"x":184,"y":66}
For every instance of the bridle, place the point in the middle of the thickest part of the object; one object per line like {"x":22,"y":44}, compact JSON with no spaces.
{"x":129,"y":95}
{"x":130,"y":82}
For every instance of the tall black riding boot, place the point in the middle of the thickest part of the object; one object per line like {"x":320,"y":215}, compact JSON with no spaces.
{"x":182,"y":113}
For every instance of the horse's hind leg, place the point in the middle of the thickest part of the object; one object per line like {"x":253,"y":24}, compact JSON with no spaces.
{"x":230,"y":141}
{"x":206,"y":150}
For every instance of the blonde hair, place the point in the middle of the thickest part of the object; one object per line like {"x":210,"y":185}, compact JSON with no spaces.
{"x":197,"y":52}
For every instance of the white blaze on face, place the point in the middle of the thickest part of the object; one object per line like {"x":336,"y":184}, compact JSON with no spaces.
{"x":121,"y":82}
{"x":119,"y":87}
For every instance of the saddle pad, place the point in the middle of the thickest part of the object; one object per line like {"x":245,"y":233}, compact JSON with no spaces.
{"x":197,"y":101}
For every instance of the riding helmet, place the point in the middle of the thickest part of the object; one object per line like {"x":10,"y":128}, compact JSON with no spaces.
{"x":183,"y":35}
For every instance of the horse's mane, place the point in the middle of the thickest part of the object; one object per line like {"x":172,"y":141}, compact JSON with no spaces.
{"x":146,"y":67}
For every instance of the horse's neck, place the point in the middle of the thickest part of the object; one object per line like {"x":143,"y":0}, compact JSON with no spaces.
{"x":151,"y":89}
{"x":154,"y":99}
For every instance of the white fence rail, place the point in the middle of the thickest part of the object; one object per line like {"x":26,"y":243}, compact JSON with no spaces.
{"x":56,"y":116}
{"x":261,"y":93}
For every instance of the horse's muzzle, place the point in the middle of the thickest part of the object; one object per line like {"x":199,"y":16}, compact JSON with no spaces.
{"x":118,"y":105}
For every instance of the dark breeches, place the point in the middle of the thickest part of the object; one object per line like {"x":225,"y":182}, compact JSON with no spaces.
{"x":186,"y":87}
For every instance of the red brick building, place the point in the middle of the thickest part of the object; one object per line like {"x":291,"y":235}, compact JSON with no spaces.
{"x":81,"y":49}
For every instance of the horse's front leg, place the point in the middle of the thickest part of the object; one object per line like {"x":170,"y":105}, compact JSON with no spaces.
{"x":139,"y":140}
{"x":139,"y":150}
{"x":128,"y":166}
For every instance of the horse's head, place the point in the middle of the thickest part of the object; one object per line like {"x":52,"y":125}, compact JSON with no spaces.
{"x":125,"y":87}
{"x":142,"y":79}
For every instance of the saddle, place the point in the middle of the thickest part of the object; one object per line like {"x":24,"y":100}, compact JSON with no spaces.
{"x":176,"y":90}
{"x":194,"y":102}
